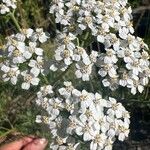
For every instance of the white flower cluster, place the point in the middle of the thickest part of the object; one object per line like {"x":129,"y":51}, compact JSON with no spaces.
{"x":77,"y":116}
{"x":24,"y":57}
{"x":127,"y":67}
{"x":101,"y":17}
{"x":125,"y":61}
{"x":7,"y":5}
{"x":67,"y":53}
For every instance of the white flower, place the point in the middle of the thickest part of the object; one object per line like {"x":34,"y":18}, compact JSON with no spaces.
{"x":134,"y":66}
{"x":16,"y":51}
{"x":29,"y":79}
{"x":145,"y":76}
{"x":115,"y":108}
{"x":95,"y":119}
{"x":28,"y":32}
{"x":134,"y":84}
{"x":126,"y":54}
{"x":109,"y":69}
{"x":4,"y":9}
{"x":44,"y":91}
{"x":58,"y":143}
{"x":10,"y":3}
{"x":108,"y":144}
{"x":69,"y":106}
{"x":72,"y":124}
{"x":123,"y":33}
{"x":38,"y":119}
{"x":126,"y":116}
{"x":7,"y":5}
{"x":88,"y":114}
{"x":123,"y":130}
{"x":98,"y":141}
{"x":10,"y":73}
{"x":58,"y":5}
{"x":85,"y":129}
{"x":111,"y":82}
{"x":64,"y":54}
{"x":113,"y":126}
{"x":80,"y":54}
{"x":144,"y":61}
{"x":37,"y":65}
{"x":124,"y":79}
{"x":112,"y":40}
{"x":40,"y":35}
{"x":93,"y":56}
{"x":126,"y":13}
{"x":66,"y":39}
{"x":33,"y":49}
{"x":54,"y":107}
{"x":84,"y":98}
{"x":110,"y":57}
{"x":83,"y":71}
{"x":101,"y":35}
{"x":134,"y":45}
{"x":67,"y":90}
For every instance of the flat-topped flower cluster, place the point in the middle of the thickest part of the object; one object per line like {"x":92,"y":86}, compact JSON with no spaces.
{"x":88,"y":117}
{"x":7,"y":5}
{"x":24,"y":58}
{"x":124,"y":61}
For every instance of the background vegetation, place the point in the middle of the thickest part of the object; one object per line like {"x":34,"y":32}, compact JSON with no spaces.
{"x":17,"y":107}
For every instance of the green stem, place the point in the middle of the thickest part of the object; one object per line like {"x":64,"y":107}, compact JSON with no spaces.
{"x":51,"y":19}
{"x":59,"y":78}
{"x":8,"y":132}
{"x":147,"y":93}
{"x":78,"y":43}
{"x":15,"y":21}
{"x":91,"y":85}
{"x":85,"y":38}
{"x":45,"y":79}
{"x":3,"y":128}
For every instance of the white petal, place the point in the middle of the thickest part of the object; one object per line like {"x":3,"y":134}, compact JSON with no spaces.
{"x":25,"y":86}
{"x":35,"y":71}
{"x":93,"y":146}
{"x":79,"y":131}
{"x":27,"y":54}
{"x":5,"y":68}
{"x":78,"y":74}
{"x":39,"y":51}
{"x":87,"y":136}
{"x":35,"y":81}
{"x":121,"y":137}
{"x":14,"y":80}
{"x":100,"y":38}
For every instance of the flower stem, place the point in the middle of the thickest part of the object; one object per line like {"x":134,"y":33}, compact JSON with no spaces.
{"x":91,"y":85}
{"x":59,"y":78}
{"x":78,"y":42}
{"x":85,"y":38}
{"x":15,"y":21}
{"x":8,"y":132}
{"x":45,"y":79}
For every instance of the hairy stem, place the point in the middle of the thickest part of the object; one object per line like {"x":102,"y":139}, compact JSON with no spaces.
{"x":15,"y":21}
